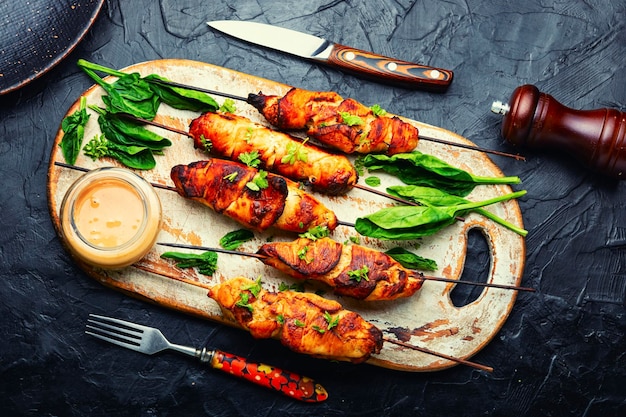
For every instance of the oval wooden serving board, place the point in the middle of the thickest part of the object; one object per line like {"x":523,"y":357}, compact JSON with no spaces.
{"x":428,"y":319}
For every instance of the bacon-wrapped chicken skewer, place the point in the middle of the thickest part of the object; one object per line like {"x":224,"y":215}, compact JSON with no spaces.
{"x":343,"y":124}
{"x":304,"y":322}
{"x":232,"y":189}
{"x":229,"y":136}
{"x":351,"y":270}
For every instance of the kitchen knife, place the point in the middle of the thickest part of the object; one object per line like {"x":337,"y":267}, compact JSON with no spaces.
{"x":359,"y":62}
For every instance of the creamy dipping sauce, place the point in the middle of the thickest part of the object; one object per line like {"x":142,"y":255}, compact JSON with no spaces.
{"x":108,"y":213}
{"x":110,"y":217}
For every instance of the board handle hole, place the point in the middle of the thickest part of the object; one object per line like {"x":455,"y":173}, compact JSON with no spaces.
{"x":476,"y":269}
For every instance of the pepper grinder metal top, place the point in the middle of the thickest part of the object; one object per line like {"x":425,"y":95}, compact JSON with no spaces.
{"x":597,"y":138}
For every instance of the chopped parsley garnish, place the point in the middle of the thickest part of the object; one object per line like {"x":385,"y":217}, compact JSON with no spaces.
{"x":378,"y":111}
{"x":250,"y":158}
{"x":231,"y":177}
{"x":298,"y":287}
{"x":295,"y":153}
{"x":248,"y":136}
{"x":350,"y":119}
{"x":244,"y":301}
{"x":259,"y":182}
{"x":255,"y":288}
{"x":330,"y":323}
{"x":228,"y":106}
{"x":359,"y":274}
{"x":207,"y":145}
{"x":316,"y":232}
{"x":302,"y":254}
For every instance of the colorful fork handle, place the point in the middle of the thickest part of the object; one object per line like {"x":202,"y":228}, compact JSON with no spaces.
{"x":288,"y":383}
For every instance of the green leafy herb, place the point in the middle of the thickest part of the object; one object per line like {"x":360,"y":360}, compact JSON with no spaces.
{"x":231,"y":177}
{"x":298,"y":323}
{"x":232,"y":240}
{"x":206,"y":262}
{"x":244,"y":301}
{"x":302,"y":254}
{"x":359,"y":166}
{"x":129,"y":94}
{"x":316,"y":232}
{"x":352,"y":239}
{"x":250,"y":158}
{"x":254,"y":288}
{"x":228,"y":106}
{"x":359,"y":274}
{"x":416,"y":168}
{"x":73,"y":127}
{"x":372,"y":181}
{"x":142,"y":93}
{"x":248,"y":136}
{"x":125,"y":140}
{"x":332,"y":321}
{"x":413,"y":222}
{"x":378,"y":111}
{"x":295,"y":152}
{"x":298,"y":286}
{"x":259,"y":181}
{"x":410,"y":260}
{"x":280,"y":319}
{"x":136,"y":157}
{"x":207,"y":145}
{"x":350,"y":119}
{"x":433,"y":197}
{"x":181,"y":98}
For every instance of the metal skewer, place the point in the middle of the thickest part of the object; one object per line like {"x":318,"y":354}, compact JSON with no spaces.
{"x":427,"y":138}
{"x":426,"y":277}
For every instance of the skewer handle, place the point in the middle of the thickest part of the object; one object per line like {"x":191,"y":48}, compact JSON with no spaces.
{"x":597,"y":138}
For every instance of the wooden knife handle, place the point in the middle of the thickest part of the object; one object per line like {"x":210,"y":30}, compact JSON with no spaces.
{"x":389,"y":70}
{"x":288,"y":383}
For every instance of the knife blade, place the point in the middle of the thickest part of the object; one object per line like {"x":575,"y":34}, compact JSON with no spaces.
{"x":367,"y":64}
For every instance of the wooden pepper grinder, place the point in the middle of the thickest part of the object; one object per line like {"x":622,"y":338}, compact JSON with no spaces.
{"x":596,"y":138}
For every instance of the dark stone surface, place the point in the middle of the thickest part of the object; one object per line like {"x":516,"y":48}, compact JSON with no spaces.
{"x":562,"y":350}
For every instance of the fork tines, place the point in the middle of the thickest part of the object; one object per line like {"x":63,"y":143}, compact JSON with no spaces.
{"x":121,"y":333}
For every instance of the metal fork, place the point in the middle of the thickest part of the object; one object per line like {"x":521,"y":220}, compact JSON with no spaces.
{"x":149,"y":340}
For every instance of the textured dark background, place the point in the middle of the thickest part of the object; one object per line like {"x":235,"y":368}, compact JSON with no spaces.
{"x":562,"y":350}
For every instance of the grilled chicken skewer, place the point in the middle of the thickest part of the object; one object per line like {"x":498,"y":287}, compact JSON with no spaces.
{"x":330,"y":262}
{"x":305,"y":323}
{"x":226,"y":187}
{"x":343,"y":124}
{"x":228,"y":135}
{"x":258,"y":100}
{"x":351,"y":270}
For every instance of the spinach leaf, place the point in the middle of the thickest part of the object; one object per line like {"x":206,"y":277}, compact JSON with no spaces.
{"x":128,"y":95}
{"x":181,"y":98}
{"x":124,"y":131}
{"x":136,"y":157}
{"x":413,"y":222}
{"x":416,"y":168}
{"x":410,"y":260}
{"x":206,"y":262}
{"x":232,"y":240}
{"x":73,"y":127}
{"x":433,"y":197}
